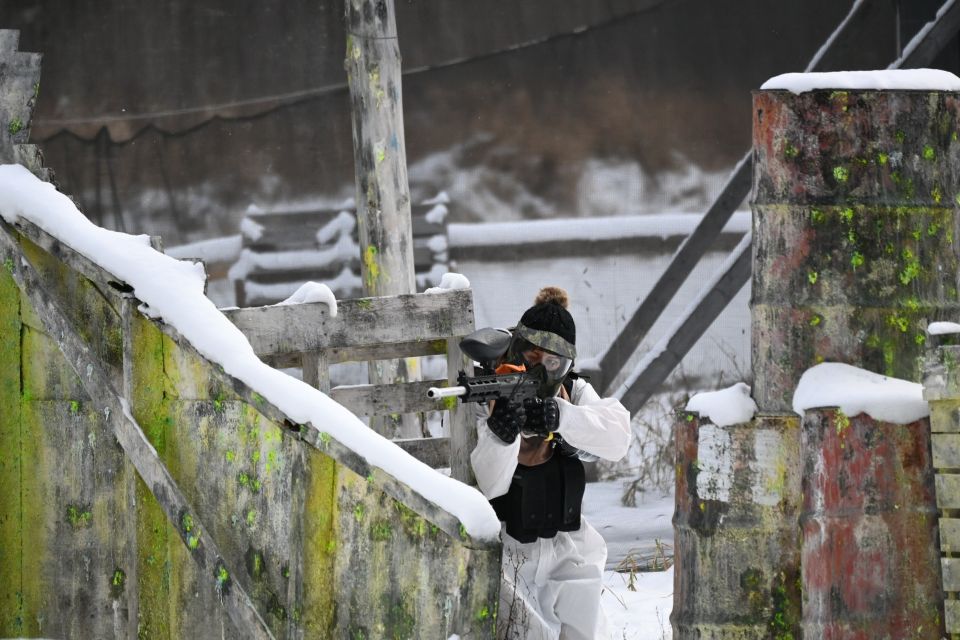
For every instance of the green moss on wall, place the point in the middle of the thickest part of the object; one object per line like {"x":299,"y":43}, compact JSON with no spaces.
{"x":320,"y":537}
{"x":12,"y":614}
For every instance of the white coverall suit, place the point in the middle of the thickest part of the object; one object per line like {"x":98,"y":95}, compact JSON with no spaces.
{"x":551,"y":587}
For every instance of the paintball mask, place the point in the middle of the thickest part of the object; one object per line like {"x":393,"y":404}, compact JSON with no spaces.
{"x":548,"y":367}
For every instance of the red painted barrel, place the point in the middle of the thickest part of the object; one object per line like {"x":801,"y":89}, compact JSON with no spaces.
{"x":870,"y":559}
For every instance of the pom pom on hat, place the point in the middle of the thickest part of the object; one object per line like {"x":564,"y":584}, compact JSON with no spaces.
{"x":555,"y":295}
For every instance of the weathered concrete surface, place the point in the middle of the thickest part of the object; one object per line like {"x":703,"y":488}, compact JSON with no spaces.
{"x":308,"y":532}
{"x":73,"y":487}
{"x":20,"y":79}
{"x":737,"y":543}
{"x":855,"y":243}
{"x":871,"y":566}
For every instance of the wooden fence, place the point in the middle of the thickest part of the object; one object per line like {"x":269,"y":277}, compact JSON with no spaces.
{"x":365,"y":329}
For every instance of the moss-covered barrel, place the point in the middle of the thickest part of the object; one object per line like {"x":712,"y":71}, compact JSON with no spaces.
{"x":855,"y":231}
{"x":737,"y":572}
{"x":871,"y":565}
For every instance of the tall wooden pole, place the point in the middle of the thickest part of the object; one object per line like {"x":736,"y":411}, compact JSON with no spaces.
{"x":383,"y":195}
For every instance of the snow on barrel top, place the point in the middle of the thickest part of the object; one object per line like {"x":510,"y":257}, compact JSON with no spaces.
{"x":732,"y":405}
{"x":855,"y":390}
{"x":887,"y":80}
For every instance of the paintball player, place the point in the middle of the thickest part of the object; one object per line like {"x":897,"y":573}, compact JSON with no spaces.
{"x":528,"y":463}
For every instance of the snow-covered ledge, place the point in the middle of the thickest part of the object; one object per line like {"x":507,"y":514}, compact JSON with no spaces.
{"x":172,"y":291}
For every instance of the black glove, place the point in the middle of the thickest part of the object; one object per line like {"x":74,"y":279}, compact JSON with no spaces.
{"x":507,"y":419}
{"x":543,"y":416}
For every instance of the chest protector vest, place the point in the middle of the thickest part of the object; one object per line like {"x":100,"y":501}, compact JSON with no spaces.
{"x":544,"y":499}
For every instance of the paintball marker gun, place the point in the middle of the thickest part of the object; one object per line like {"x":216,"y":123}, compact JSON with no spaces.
{"x":486,"y":346}
{"x":517,"y":386}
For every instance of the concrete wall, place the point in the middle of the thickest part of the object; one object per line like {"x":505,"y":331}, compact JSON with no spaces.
{"x":87,"y":550}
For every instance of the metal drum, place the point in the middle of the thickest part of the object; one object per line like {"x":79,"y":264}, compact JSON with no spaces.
{"x":871,"y":564}
{"x":855,"y":231}
{"x":737,"y":571}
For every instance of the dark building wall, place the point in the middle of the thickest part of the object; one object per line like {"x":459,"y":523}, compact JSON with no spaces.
{"x":532,"y":89}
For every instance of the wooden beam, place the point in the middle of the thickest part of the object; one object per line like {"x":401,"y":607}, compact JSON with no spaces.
{"x":676,"y":273}
{"x":463,"y":417}
{"x":382,"y":399}
{"x":380,"y":165}
{"x":433,"y":452}
{"x":360,"y":322}
{"x":309,"y":434}
{"x":670,"y":351}
{"x":141,"y":454}
{"x":71,"y":257}
{"x":928,"y":43}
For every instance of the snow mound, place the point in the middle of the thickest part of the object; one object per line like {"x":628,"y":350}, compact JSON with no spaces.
{"x":723,"y":408}
{"x":449,"y":281}
{"x":854,"y":390}
{"x":942,"y":328}
{"x":313,"y":292}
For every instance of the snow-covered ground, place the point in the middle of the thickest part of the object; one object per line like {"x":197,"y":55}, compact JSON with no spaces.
{"x":637,"y":610}
{"x":641,"y":612}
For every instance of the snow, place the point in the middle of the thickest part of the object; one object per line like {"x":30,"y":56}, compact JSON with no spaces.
{"x":889,"y":79}
{"x":250,"y":229}
{"x":942,"y":328}
{"x":643,"y":614}
{"x":854,"y":391}
{"x":723,"y":408}
{"x":449,"y":281}
{"x":346,"y":280}
{"x":440,"y":198}
{"x":577,"y":229}
{"x":314,"y":292}
{"x":172,"y":291}
{"x":343,"y":251}
{"x":437,"y":214}
{"x":342,"y":225}
{"x":226,"y":249}
{"x":640,"y":614}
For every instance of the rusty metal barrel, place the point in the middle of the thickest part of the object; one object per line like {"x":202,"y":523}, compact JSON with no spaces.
{"x":737,"y":571}
{"x":855,"y":250}
{"x":870,"y":557}
{"x":855,"y":231}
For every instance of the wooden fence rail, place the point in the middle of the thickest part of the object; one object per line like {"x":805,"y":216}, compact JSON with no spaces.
{"x":378,"y":328}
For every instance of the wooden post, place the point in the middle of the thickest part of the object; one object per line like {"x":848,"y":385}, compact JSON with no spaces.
{"x":383,"y":198}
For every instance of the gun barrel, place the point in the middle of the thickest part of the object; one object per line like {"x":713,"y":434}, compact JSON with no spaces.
{"x":446,"y":392}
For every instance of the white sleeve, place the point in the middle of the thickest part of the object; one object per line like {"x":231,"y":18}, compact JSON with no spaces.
{"x":493,"y":461}
{"x":600,"y":426}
